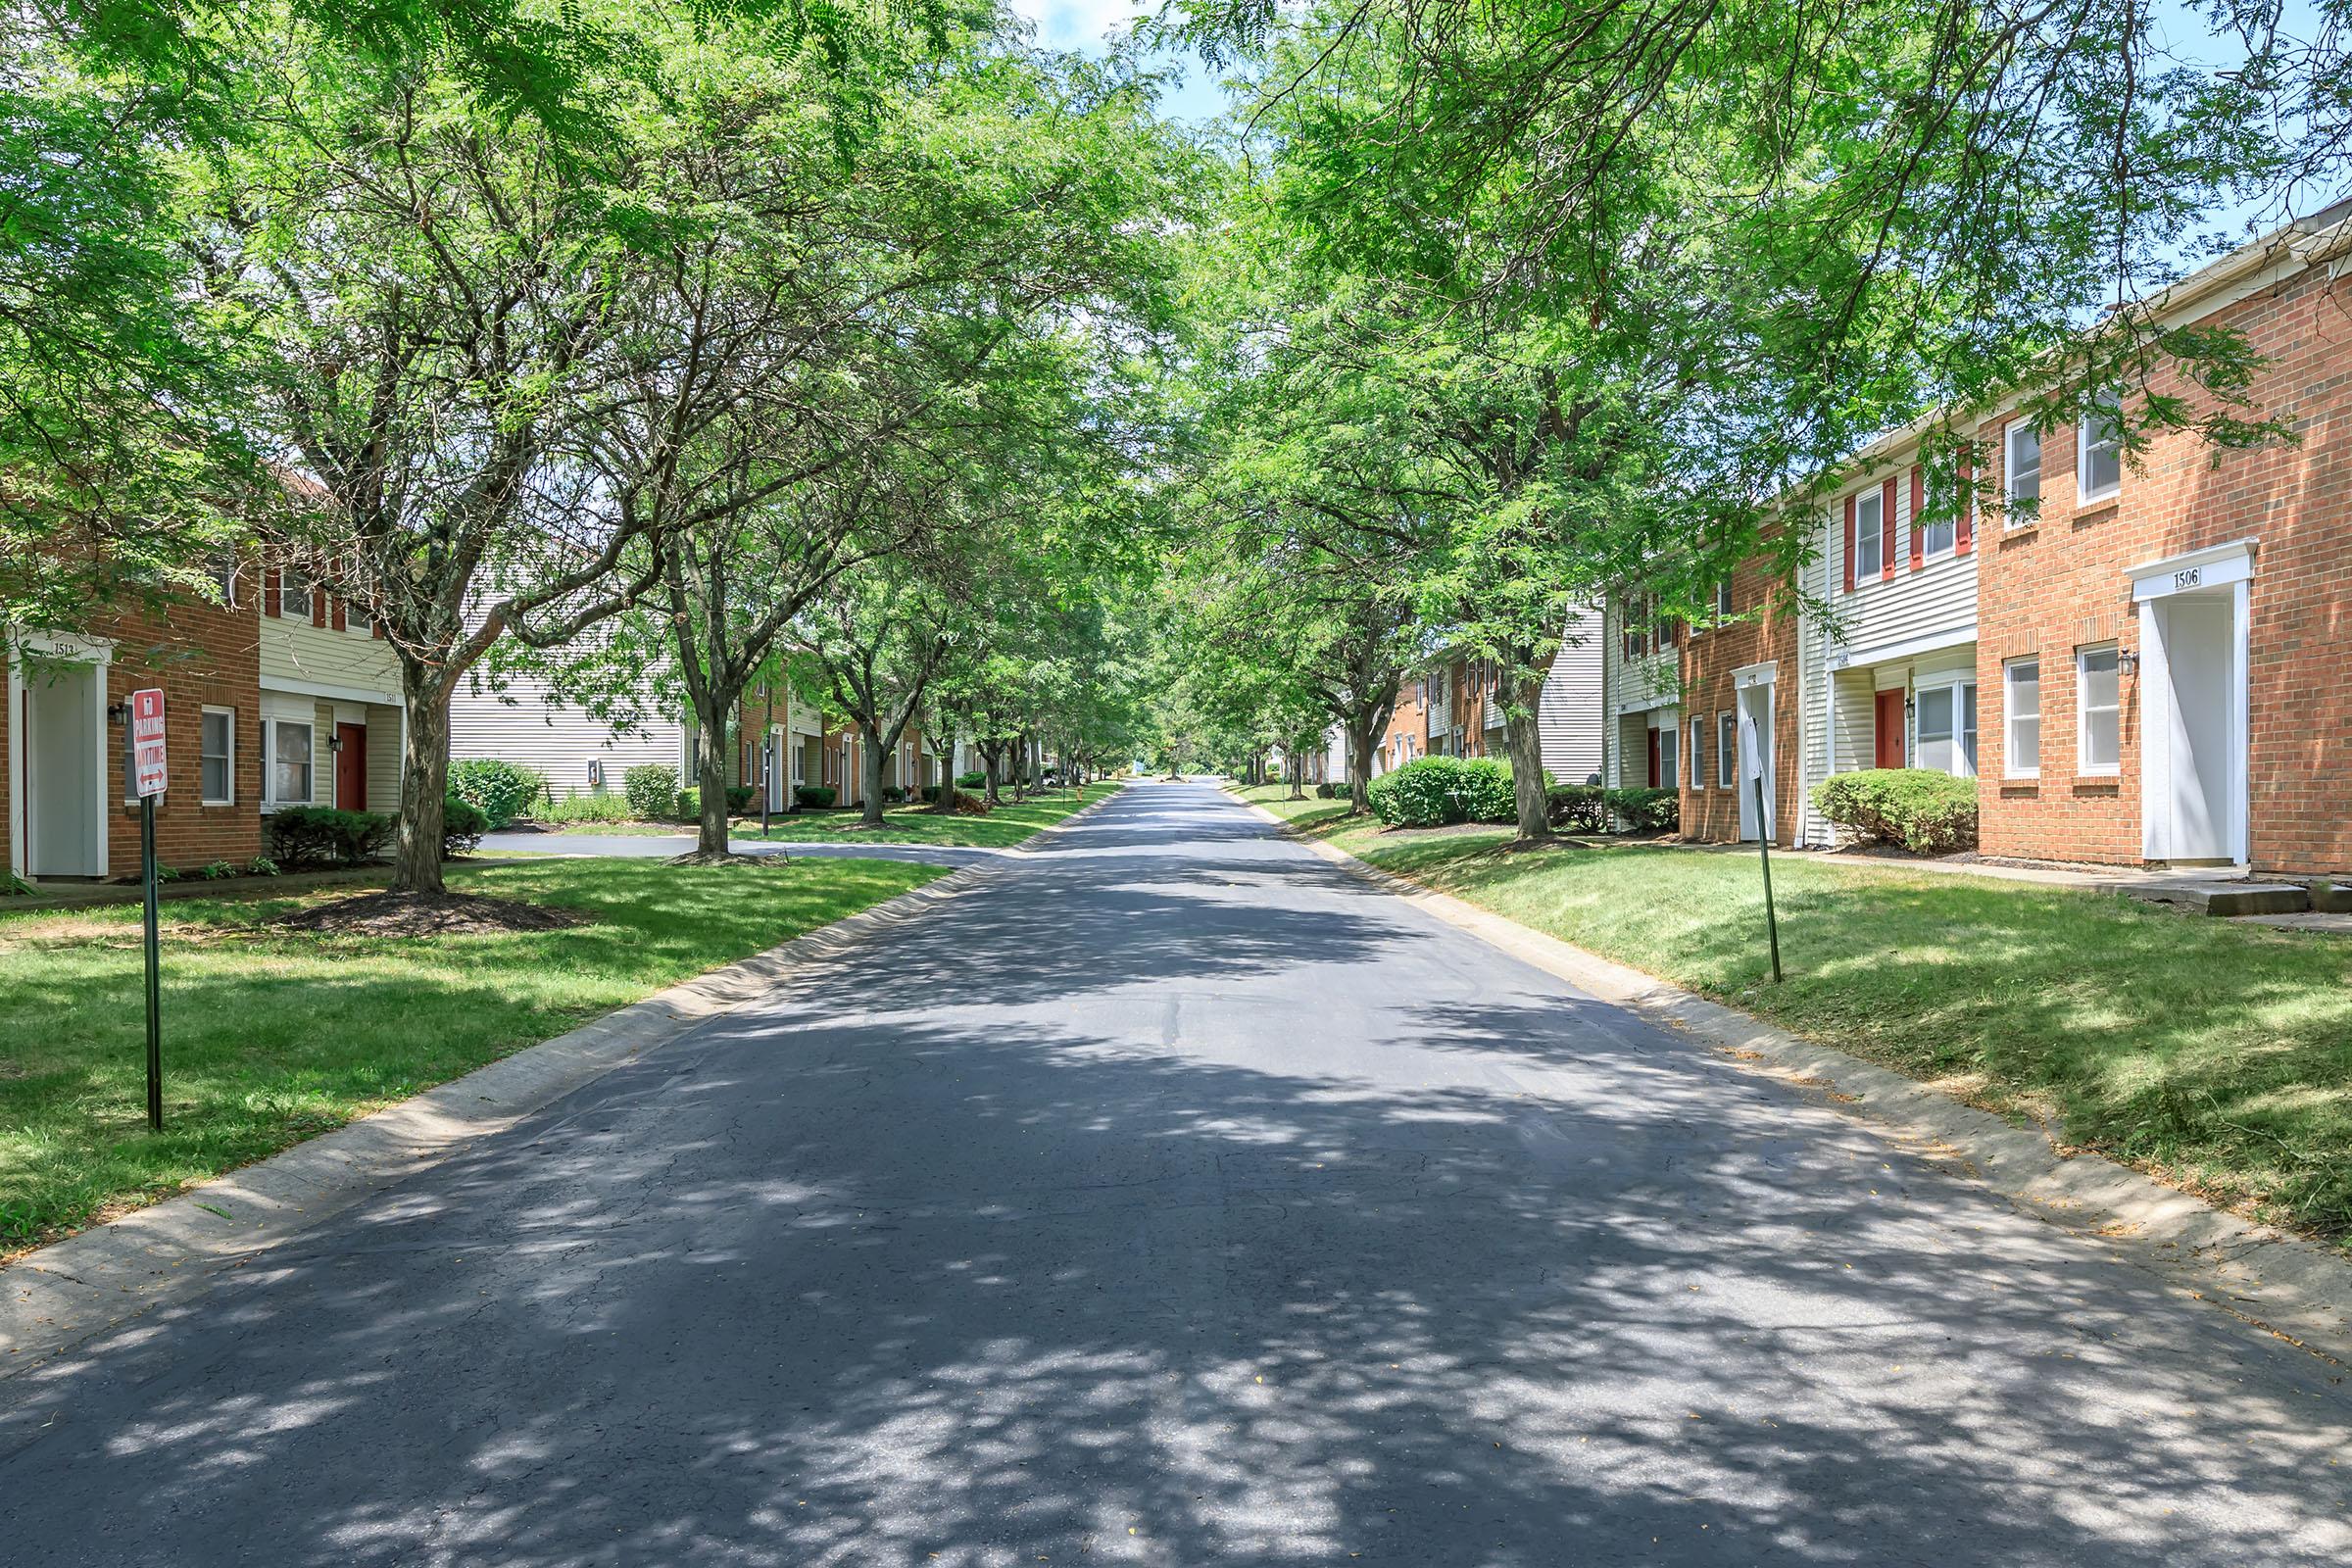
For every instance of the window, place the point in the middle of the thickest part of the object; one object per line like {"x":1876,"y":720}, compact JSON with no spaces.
{"x":1947,"y":721}
{"x":294,"y":597}
{"x":2022,"y":711}
{"x":2098,"y":451}
{"x":1666,"y":748}
{"x":1698,"y":754}
{"x":1870,"y":520}
{"x":2099,"y":740}
{"x":1723,"y":600}
{"x":2021,"y":468}
{"x":1727,"y":749}
{"x":289,"y":764}
{"x":219,"y":747}
{"x":1940,"y":528}
{"x":225,"y":579}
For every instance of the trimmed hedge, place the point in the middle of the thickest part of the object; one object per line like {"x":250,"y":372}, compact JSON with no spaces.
{"x":974,"y":780}
{"x":1926,"y":812}
{"x":1578,"y":807}
{"x":651,"y":790}
{"x":1649,"y":811}
{"x":1331,"y":792}
{"x":303,"y":836}
{"x":1438,"y":789}
{"x":690,"y":804}
{"x":1589,"y":809}
{"x":817,"y":797}
{"x":740,"y":797}
{"x":501,"y":790}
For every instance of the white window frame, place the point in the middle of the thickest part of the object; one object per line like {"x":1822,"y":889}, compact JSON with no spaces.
{"x":2082,"y":712}
{"x":1875,"y":530}
{"x":1670,"y":772}
{"x":2111,"y":415}
{"x":1727,"y":749}
{"x":2009,"y":717}
{"x":2009,"y":496}
{"x":271,"y":798}
{"x":229,"y":798}
{"x":288,"y":585}
{"x":1949,"y":523}
{"x":1960,"y":684}
{"x":1696,"y":766}
{"x":1723,"y":599}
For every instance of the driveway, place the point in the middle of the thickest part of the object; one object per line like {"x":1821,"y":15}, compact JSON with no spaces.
{"x":1174,"y":1199}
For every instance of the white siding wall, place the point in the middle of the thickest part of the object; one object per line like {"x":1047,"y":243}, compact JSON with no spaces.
{"x":520,"y":723}
{"x":1642,"y":692}
{"x":297,"y":656}
{"x":1570,"y":715}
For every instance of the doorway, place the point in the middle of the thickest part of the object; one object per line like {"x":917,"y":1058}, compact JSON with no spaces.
{"x":351,"y":767}
{"x":1755,"y":709}
{"x":62,"y":735}
{"x":1890,"y":728}
{"x":2193,"y":728}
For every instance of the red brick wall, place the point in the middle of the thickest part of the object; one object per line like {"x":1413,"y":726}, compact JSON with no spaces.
{"x":1708,"y":660}
{"x":2059,"y":584}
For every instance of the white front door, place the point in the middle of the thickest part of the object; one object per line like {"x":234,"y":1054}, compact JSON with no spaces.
{"x":1755,"y":705}
{"x":2193,"y":725}
{"x":63,"y":709}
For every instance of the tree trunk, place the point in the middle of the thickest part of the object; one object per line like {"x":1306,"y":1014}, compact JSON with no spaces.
{"x":871,"y":816}
{"x":992,"y":764}
{"x":1359,"y":763}
{"x":1525,"y":732}
{"x":711,"y":830}
{"x":424,"y":785}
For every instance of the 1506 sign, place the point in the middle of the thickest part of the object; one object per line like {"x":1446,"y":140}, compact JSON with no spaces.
{"x":2193,"y":577}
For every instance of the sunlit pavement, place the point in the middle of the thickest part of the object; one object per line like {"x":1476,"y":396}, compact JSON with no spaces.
{"x":1177,"y":1199}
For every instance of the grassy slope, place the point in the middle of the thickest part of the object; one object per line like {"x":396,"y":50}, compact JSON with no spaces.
{"x":271,"y":1038}
{"x":2216,"y":1055}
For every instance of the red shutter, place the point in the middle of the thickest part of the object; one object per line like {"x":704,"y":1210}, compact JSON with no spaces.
{"x":1964,"y":496}
{"x":375,"y":628}
{"x":318,"y":605}
{"x":269,"y":598}
{"x":1919,"y":557}
{"x":338,"y":620}
{"x":1850,"y":544}
{"x":1887,"y":529}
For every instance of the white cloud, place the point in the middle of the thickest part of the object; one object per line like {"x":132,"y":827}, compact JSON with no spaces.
{"x":1077,"y":23}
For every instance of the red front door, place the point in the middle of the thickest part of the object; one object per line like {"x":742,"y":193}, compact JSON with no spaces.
{"x":1653,"y":759}
{"x":351,"y":767}
{"x":1890,"y":728}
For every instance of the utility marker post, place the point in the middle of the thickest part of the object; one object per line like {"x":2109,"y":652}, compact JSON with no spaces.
{"x":1752,"y":759}
{"x":147,"y":758}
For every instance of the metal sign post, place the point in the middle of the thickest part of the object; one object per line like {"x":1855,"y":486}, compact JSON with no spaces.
{"x":1753,"y":758}
{"x":147,"y":758}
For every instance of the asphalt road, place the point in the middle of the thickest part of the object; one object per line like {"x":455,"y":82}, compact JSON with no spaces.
{"x":648,"y":845}
{"x":1176,"y":1200}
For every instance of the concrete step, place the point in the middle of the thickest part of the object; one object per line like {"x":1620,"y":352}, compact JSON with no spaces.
{"x":2223,"y":899}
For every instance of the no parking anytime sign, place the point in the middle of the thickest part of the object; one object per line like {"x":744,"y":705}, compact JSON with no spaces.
{"x":147,"y":740}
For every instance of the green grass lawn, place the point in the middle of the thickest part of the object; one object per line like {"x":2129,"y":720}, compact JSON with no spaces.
{"x":270,"y":1037}
{"x":1008,"y":825}
{"x":1314,"y":814}
{"x":2213,"y":1056}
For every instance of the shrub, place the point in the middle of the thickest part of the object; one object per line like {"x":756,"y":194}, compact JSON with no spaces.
{"x":319,"y":835}
{"x":262,"y":866}
{"x":739,"y":798}
{"x":974,"y":780}
{"x":1924,"y":811}
{"x":1578,"y":807}
{"x":463,"y":824}
{"x":501,"y":790}
{"x":219,"y":871}
{"x":1444,"y":788}
{"x":1648,"y":811}
{"x":586,"y":808}
{"x":817,"y":797}
{"x":930,"y":795}
{"x":1330,"y":792}
{"x":688,"y":808}
{"x":892,"y":795}
{"x":651,"y":790}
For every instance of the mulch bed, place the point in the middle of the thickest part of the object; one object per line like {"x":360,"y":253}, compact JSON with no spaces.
{"x":429,"y":914}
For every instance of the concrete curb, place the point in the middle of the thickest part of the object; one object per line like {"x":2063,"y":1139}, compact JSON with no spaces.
{"x":59,"y":1295}
{"x":2277,"y":1283}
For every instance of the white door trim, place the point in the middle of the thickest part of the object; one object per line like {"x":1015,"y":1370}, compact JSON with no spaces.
{"x":2155,"y":723}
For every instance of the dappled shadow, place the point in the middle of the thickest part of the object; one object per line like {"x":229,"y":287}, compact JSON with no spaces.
{"x":1203,"y":1254}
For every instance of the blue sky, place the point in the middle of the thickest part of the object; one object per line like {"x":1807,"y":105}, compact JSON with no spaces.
{"x":1084,"y":24}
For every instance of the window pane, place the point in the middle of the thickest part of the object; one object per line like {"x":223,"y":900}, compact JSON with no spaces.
{"x":1727,"y":749}
{"x":1666,"y":777}
{"x":217,"y":730}
{"x":294,"y":597}
{"x":1968,"y":727}
{"x":2025,"y":718}
{"x":2102,"y":452}
{"x":290,"y":763}
{"x":2025,"y":462}
{"x":1869,"y":520}
{"x":1935,"y":729}
{"x":2103,"y":717}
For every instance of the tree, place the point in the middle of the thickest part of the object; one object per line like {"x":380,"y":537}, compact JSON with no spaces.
{"x":426,"y":299}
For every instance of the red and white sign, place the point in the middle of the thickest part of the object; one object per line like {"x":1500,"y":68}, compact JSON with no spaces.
{"x":147,"y":740}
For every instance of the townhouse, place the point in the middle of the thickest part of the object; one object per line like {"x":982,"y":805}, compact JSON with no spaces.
{"x":2137,"y":658}
{"x":1453,"y":708}
{"x":281,"y":694}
